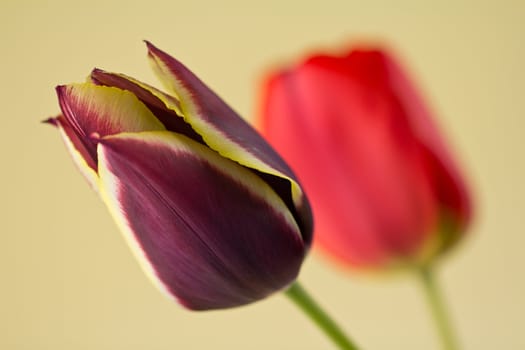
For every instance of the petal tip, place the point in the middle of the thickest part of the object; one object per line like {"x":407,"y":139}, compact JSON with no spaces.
{"x":157,"y":54}
{"x":60,"y":91}
{"x":96,"y":76}
{"x":51,"y":121}
{"x":96,"y":71}
{"x":152,"y":49}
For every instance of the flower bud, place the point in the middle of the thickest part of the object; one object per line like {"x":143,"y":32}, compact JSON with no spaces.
{"x":211,"y":211}
{"x":383,"y":185}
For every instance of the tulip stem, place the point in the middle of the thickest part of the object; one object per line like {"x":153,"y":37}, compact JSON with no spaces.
{"x":308,"y":305}
{"x":437,"y":306}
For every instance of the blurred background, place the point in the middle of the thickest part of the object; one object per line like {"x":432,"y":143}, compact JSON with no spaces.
{"x":68,"y":278}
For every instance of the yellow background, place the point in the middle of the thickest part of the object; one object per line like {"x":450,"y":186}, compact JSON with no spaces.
{"x":68,"y":281}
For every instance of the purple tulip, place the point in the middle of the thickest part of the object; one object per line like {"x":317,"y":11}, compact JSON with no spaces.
{"x":212,"y":212}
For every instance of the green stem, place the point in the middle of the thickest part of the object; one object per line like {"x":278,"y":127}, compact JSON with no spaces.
{"x":438,"y":309}
{"x":305,"y":302}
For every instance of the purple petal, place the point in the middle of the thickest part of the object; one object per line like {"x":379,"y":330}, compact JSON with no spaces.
{"x":61,"y":123}
{"x":96,"y":111}
{"x":226,"y":132}
{"x":77,"y":149}
{"x":212,"y":234}
{"x":165,"y":107}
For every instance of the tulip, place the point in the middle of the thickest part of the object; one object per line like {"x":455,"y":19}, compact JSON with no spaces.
{"x":384,"y":188}
{"x":211,"y":211}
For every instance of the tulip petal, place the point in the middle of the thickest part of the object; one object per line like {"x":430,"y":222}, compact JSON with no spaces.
{"x":207,"y":230}
{"x":96,"y":111}
{"x":81,"y":157}
{"x":357,"y":137}
{"x":225,"y":131}
{"x":452,"y":189}
{"x":393,"y":184}
{"x":165,"y":107}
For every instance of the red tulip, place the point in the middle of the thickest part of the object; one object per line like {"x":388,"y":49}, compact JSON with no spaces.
{"x":383,"y":185}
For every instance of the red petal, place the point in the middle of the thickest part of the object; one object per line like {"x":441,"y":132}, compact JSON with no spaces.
{"x":344,"y":127}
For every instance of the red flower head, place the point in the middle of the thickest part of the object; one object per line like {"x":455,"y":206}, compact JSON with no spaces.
{"x":384,"y":187}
